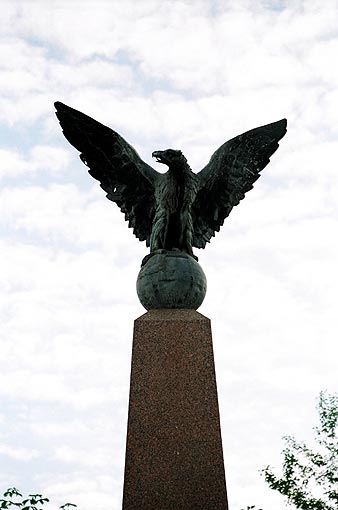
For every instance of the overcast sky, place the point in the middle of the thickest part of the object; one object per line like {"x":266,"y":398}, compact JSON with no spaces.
{"x":186,"y":74}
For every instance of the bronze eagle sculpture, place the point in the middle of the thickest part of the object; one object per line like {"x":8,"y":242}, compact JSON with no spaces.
{"x":180,"y":209}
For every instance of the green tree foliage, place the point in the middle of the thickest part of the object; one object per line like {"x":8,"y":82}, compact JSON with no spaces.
{"x":13,"y":498}
{"x":310,"y":477}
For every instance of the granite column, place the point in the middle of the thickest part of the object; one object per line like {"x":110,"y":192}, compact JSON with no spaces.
{"x":174,"y":458}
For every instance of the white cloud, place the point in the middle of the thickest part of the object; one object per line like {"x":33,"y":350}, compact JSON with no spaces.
{"x":229,"y":54}
{"x":163,"y":74}
{"x":42,"y":158}
{"x":100,"y":491}
{"x":21,"y":454}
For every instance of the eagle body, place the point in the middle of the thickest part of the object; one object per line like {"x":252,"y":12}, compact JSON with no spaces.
{"x":175,"y":192}
{"x":179,"y":209}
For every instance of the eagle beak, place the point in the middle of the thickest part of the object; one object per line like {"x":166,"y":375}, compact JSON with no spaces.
{"x":158,"y":156}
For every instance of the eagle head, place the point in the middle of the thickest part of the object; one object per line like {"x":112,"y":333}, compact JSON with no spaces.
{"x":170,"y":157}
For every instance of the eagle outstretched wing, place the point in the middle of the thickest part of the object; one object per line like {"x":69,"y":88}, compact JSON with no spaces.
{"x":230,"y":173}
{"x":127,"y":180}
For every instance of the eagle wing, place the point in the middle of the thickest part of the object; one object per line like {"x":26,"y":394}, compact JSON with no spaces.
{"x":127,"y":180}
{"x":230,"y":173}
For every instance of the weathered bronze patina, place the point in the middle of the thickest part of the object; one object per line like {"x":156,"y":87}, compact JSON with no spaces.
{"x":177,"y":210}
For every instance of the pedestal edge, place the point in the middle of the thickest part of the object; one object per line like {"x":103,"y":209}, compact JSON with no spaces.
{"x":171,"y":314}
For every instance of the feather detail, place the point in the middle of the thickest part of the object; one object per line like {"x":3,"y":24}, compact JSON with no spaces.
{"x":230,"y":173}
{"x":123,"y":175}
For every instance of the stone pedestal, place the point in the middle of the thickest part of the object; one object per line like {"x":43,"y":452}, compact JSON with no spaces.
{"x":174,"y":457}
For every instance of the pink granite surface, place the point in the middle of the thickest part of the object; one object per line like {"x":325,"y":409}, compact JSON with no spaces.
{"x":174,"y":457}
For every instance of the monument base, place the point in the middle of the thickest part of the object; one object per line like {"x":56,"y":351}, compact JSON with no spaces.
{"x":174,"y":458}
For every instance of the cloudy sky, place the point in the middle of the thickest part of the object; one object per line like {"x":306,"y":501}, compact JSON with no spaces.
{"x":185,"y":74}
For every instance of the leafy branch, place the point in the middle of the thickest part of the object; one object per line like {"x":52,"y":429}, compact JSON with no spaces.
{"x":32,"y":502}
{"x":310,"y":477}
